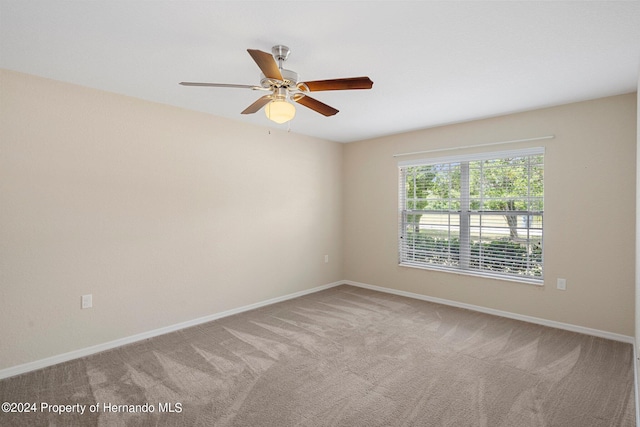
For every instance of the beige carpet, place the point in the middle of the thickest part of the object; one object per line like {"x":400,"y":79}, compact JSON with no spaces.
{"x":342,"y":357}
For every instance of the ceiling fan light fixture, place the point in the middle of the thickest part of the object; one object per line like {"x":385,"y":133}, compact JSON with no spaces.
{"x":280,"y":111}
{"x":283,"y":84}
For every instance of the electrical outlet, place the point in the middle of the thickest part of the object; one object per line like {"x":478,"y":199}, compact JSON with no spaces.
{"x":87,"y":301}
{"x":562,"y":284}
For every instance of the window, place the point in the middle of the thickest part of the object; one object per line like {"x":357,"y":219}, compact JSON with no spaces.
{"x":480,"y":214}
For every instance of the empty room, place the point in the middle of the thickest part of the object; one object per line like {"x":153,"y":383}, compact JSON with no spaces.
{"x":319,"y":213}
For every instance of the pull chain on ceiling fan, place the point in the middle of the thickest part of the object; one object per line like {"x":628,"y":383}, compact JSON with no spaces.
{"x":283,"y":84}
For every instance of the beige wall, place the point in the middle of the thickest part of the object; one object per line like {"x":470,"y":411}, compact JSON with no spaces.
{"x":164,"y":215}
{"x":167,"y":215}
{"x":589,"y":213}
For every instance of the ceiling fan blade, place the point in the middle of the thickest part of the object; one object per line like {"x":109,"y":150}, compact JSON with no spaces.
{"x":338,"y":84}
{"x":217,"y":85}
{"x":256,"y":106}
{"x":267,"y":64}
{"x":315,"y":105}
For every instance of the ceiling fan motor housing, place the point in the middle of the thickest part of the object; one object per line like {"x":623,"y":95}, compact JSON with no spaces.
{"x":291,"y":79}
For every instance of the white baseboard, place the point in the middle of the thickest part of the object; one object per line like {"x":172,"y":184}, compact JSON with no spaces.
{"x":530,"y":319}
{"x":60,"y":358}
{"x":65,"y":357}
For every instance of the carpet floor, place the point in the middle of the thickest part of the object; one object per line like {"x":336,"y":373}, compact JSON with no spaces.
{"x":345,"y":356}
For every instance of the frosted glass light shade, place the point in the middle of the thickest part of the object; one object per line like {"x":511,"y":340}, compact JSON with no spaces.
{"x":280,"y":111}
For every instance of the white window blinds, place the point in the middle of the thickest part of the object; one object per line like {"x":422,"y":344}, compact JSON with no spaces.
{"x":480,"y":214}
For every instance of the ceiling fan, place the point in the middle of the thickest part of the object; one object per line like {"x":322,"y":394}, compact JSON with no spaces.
{"x":283,"y":84}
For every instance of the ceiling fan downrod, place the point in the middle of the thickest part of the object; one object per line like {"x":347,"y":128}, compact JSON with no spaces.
{"x":280,"y":53}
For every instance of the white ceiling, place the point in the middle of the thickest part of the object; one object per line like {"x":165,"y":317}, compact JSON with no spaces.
{"x":432,"y":63}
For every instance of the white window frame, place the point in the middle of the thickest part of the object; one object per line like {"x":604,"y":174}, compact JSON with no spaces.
{"x":464,"y":215}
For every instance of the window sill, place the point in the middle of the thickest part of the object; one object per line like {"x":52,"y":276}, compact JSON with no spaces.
{"x":526,"y":281}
